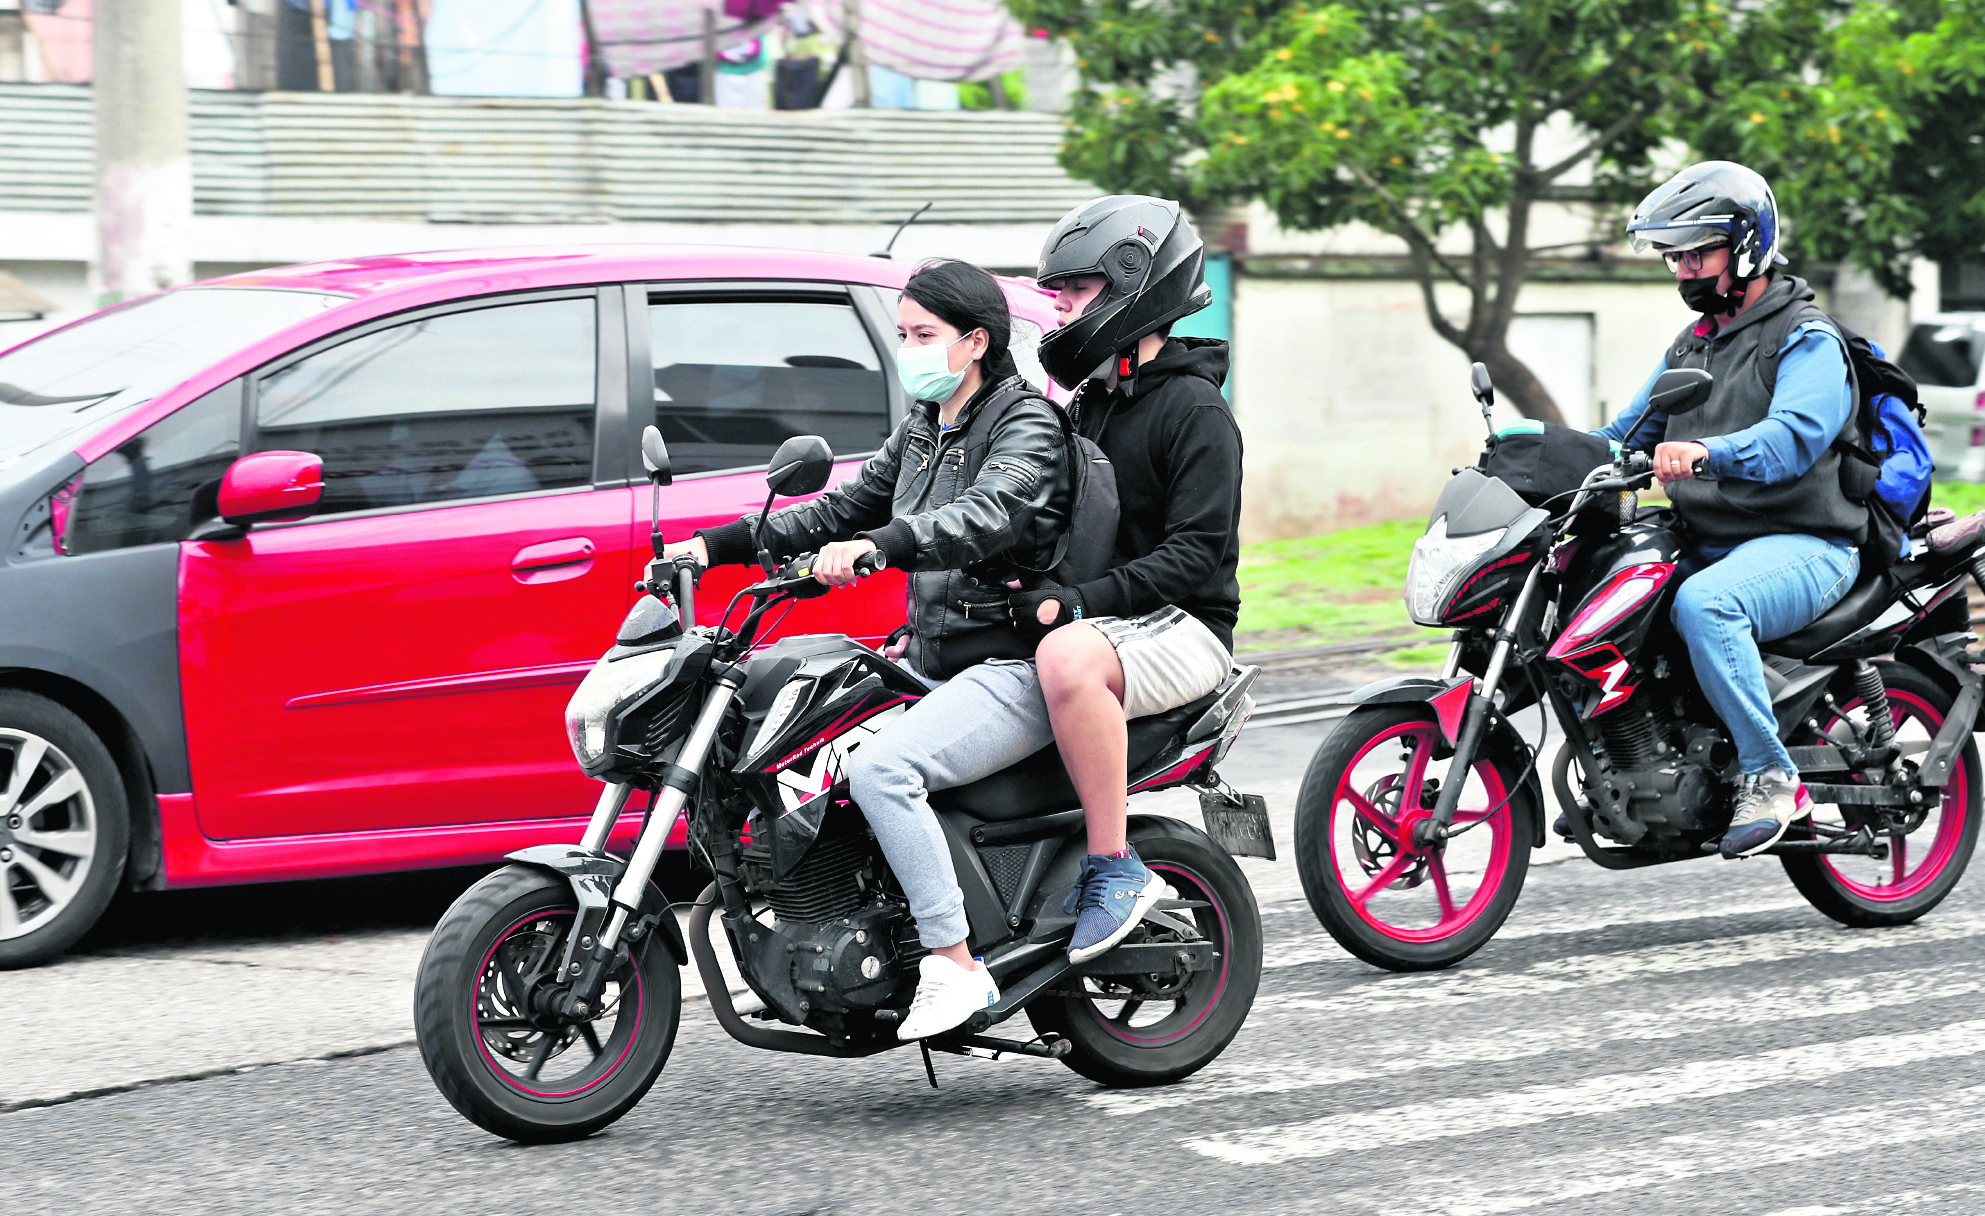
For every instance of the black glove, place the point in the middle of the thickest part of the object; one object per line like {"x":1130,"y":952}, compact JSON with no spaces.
{"x":1026,"y":606}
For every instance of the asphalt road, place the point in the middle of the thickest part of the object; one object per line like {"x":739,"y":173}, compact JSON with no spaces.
{"x":1686,"y":1039}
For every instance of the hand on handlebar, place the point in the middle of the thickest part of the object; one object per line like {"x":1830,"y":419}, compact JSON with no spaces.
{"x":844,"y":561}
{"x":1679,"y":461}
{"x":693,"y":547}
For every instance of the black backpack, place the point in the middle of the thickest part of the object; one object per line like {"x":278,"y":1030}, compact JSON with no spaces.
{"x":1087,"y":548}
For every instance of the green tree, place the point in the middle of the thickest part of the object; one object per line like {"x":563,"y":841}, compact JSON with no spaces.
{"x":1429,"y":118}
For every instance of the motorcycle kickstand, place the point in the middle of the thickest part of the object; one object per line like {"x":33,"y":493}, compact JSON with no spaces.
{"x":930,"y":1070}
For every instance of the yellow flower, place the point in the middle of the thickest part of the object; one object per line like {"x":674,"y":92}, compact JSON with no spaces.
{"x":1756,"y":117}
{"x":1285,"y":54}
{"x":1343,"y":133}
{"x":1881,"y":115}
{"x":1833,"y":133}
{"x":1212,"y":37}
{"x":1335,"y":86}
{"x":1365,"y":93}
{"x":1396,"y":160}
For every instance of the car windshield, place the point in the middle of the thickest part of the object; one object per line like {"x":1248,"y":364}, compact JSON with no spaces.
{"x":1944,"y":355}
{"x":82,"y":374}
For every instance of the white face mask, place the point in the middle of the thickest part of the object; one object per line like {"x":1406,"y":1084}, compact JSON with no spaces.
{"x":926,"y":370}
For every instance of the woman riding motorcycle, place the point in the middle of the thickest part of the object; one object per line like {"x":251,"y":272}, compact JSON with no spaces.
{"x":969,"y":495}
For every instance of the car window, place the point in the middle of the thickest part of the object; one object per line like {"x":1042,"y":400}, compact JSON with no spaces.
{"x":1946,"y":355}
{"x":159,"y":483}
{"x":736,"y":378}
{"x":468,"y":404}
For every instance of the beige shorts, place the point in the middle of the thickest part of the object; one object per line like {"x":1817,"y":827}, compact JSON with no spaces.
{"x":1168,"y":657}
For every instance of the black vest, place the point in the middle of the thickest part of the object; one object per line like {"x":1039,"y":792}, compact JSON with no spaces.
{"x":1731,"y":511}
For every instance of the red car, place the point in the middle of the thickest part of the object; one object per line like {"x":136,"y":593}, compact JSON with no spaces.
{"x":376,"y":683}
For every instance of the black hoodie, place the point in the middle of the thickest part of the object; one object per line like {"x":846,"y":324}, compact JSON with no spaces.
{"x":1177,"y":454}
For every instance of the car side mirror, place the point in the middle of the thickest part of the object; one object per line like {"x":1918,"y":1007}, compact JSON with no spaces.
{"x":800,"y":466}
{"x":1679,"y":390}
{"x":270,"y":486}
{"x":1480,"y":385}
{"x":655,"y":456}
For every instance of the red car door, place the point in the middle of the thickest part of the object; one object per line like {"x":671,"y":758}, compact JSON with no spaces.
{"x":739,"y":368}
{"x":401,"y":658}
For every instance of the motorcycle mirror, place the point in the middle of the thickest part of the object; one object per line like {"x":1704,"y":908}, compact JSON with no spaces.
{"x":1480,"y":385}
{"x":655,"y":456}
{"x":1679,"y":390}
{"x":800,"y":466}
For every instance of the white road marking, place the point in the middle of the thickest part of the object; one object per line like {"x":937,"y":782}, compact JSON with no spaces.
{"x":1471,"y":985}
{"x":1319,"y":947}
{"x":1606,"y":1094}
{"x":1752,"y":1146}
{"x":1840,"y":997}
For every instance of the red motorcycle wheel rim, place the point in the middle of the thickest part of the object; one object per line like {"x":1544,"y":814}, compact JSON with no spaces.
{"x":1486,"y":809}
{"x":1909,"y":875}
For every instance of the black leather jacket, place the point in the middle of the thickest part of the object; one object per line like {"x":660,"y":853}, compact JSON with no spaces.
{"x":962,"y":511}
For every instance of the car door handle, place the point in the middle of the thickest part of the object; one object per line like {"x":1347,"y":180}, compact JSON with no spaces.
{"x":554,"y":560}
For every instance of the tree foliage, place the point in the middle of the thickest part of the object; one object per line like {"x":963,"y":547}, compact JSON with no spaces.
{"x":1431,"y":118}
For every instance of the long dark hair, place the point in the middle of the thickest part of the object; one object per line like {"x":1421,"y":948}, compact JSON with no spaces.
{"x":967,"y":297}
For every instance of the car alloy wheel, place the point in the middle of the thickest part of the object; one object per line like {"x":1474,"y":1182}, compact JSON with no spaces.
{"x":48,"y":832}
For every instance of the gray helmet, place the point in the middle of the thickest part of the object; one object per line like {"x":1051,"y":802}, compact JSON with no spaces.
{"x":1712,"y":202}
{"x":1153,"y":263}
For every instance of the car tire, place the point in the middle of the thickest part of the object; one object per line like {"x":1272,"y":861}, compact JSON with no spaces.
{"x":65,"y":828}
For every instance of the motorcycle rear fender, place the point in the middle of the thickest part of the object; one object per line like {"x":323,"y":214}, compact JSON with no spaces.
{"x":1448,"y":695}
{"x":593,"y":877}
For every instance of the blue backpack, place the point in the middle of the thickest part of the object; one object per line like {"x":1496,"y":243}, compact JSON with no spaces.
{"x":1889,"y":470}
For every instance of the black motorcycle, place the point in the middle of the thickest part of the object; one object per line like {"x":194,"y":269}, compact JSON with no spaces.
{"x":1417,"y":815}
{"x":548,"y":998}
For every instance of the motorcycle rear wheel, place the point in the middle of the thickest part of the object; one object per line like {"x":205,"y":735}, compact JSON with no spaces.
{"x":1126,"y":1033}
{"x":507,"y":1075}
{"x":1924,"y":865}
{"x":1389,"y":903}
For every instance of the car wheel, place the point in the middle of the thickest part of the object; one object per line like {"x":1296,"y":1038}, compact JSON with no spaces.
{"x":64,"y":828}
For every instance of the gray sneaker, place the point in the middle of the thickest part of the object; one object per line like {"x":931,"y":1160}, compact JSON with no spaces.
{"x":1764,"y":809}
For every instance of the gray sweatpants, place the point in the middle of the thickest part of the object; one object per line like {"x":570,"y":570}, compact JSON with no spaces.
{"x":989,"y":717}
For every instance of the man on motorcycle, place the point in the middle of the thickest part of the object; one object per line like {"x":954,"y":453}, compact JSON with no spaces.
{"x":1156,"y":631}
{"x":1772,"y":537}
{"x":969,"y":492}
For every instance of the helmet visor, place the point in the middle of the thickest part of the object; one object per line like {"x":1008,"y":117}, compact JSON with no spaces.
{"x":1679,"y":235}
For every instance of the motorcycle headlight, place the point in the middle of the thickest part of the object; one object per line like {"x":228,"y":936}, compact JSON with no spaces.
{"x":1438,"y":565}
{"x":606,"y":686}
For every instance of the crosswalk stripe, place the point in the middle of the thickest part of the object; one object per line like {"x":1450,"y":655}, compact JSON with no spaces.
{"x":1471,"y":984}
{"x":1839,"y":997}
{"x":1761,"y":1146}
{"x":1461,"y":1116}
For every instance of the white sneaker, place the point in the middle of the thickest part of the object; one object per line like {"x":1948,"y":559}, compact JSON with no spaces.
{"x":947,"y":994}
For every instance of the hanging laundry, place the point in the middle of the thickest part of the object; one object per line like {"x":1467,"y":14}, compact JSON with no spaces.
{"x":505,"y":48}
{"x":642,"y":36}
{"x":929,"y":39}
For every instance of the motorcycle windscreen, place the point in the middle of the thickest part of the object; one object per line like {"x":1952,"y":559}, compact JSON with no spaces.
{"x":1475,"y":503}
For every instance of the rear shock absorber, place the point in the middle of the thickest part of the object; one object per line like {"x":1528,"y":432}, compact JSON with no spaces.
{"x":1875,"y":700}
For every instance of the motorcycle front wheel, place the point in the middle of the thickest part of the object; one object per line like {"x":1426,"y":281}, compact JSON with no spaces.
{"x":1129,"y":1031}
{"x":1385,"y":899}
{"x":495,"y":1057}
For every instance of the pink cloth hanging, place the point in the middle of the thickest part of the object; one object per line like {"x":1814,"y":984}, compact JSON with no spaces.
{"x":930,"y":39}
{"x":642,"y":36}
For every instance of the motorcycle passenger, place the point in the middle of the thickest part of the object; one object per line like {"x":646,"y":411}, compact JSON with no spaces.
{"x":962,"y":525}
{"x":1157,"y":630}
{"x":1771,"y":541}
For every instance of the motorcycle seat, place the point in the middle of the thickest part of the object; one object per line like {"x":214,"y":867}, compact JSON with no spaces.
{"x":1864,"y":601}
{"x":1039,"y":784}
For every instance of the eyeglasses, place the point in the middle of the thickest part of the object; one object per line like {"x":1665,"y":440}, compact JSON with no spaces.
{"x":1691,"y":258}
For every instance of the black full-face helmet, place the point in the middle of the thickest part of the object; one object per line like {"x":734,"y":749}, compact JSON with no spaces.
{"x":1713,"y":202}
{"x":1153,"y":264}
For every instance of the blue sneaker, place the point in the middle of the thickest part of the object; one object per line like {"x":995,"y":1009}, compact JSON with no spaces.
{"x":1113,"y":894}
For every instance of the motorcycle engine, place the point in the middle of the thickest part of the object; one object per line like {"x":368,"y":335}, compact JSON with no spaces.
{"x":1653,"y":793}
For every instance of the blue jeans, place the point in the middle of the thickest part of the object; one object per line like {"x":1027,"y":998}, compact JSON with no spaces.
{"x":1761,"y":590}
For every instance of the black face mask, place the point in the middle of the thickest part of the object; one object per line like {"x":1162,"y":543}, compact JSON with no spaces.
{"x":1701,"y":296}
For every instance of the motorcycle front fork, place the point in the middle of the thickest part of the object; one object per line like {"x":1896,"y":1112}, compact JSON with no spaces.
{"x":1433,"y":830}
{"x":678,"y":780}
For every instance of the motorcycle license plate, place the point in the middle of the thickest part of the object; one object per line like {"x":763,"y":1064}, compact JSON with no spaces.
{"x":1241,"y":830}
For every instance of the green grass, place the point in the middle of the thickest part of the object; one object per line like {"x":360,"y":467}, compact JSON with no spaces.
{"x":1961,"y":496}
{"x":1339,"y":587}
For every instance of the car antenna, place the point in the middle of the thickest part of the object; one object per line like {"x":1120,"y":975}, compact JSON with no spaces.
{"x":884,"y":251}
